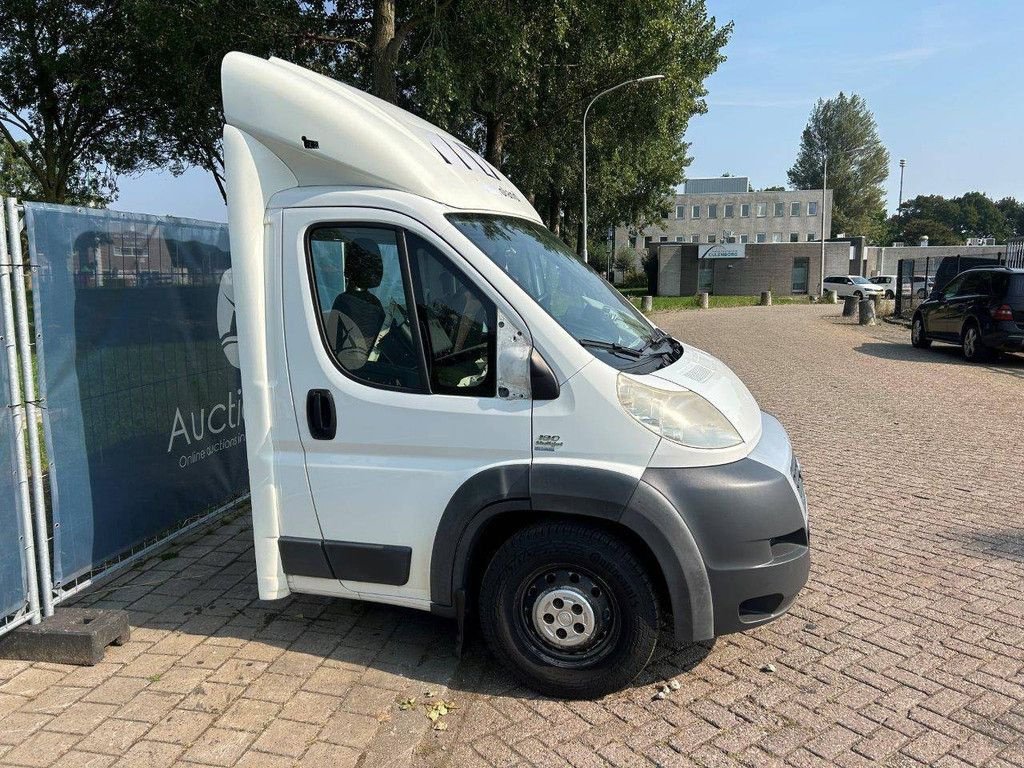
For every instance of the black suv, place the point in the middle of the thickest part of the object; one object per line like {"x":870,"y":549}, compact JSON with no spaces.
{"x":980,"y":309}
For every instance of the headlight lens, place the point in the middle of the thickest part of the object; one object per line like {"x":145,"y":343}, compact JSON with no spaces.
{"x":681,"y":416}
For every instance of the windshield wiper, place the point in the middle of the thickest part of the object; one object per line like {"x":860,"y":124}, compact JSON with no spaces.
{"x":611,"y":347}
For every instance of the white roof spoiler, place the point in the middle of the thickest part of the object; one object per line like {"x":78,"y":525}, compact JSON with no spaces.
{"x":331,"y":134}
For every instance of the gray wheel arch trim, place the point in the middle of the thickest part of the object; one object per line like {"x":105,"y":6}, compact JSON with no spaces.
{"x":626,"y":500}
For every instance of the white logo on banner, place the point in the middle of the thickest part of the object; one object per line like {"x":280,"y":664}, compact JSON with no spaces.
{"x":226,"y":318}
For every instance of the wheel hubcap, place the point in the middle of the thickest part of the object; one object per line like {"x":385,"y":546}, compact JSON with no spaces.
{"x":564,"y":617}
{"x":568,"y":614}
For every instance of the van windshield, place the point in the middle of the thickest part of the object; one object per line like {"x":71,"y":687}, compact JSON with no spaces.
{"x":571,"y":292}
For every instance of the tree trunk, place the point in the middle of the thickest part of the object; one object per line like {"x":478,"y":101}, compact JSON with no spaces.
{"x":383,"y":51}
{"x":495,"y":140}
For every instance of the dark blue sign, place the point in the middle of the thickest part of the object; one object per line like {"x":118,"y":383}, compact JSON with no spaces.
{"x":138,"y":368}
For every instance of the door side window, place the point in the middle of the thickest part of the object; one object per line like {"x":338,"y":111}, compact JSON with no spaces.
{"x":457,"y":321}
{"x":363,"y":304}
{"x":953,"y":288}
{"x":974,"y":284}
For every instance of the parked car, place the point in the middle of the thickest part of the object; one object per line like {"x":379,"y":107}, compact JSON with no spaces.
{"x":917,"y":284}
{"x":449,"y":411}
{"x":951,"y":266}
{"x":853,"y":285}
{"x":980,"y":309}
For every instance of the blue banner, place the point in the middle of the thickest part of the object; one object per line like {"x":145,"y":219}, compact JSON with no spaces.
{"x":13,"y":578}
{"x":139,"y":374}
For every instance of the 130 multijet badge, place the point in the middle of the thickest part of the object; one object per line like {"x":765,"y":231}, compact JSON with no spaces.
{"x":548,"y":443}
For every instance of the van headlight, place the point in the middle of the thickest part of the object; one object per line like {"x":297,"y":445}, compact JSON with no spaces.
{"x":681,"y":416}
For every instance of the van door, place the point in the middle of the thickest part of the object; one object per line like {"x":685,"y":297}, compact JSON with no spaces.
{"x":391,"y":346}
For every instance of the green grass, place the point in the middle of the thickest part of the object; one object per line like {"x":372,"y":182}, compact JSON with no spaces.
{"x":673,"y":303}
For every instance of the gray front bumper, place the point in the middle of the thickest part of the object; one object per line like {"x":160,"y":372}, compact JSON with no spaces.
{"x":749,"y":521}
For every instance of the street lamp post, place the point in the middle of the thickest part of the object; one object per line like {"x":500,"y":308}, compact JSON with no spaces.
{"x":903,"y":164}
{"x":647,"y":79}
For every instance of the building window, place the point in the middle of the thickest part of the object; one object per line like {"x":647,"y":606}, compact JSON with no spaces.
{"x":663,"y":239}
{"x":713,"y":211}
{"x":780,"y":209}
{"x":762,"y":237}
{"x":730,"y":238}
{"x":811,"y":237}
{"x":647,"y":241}
{"x":744,"y":210}
{"x":694,"y":238}
{"x":679,"y":211}
{"x":632,"y":241}
{"x":744,"y":238}
{"x":694,"y":211}
{"x":812,"y":208}
{"x":762,"y":210}
{"x":794,"y":209}
{"x":794,"y":237}
{"x":679,"y":238}
{"x":801,"y":270}
{"x":711,"y":238}
{"x":776,"y":237}
{"x":729,"y":210}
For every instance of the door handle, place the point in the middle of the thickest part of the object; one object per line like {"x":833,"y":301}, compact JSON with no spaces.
{"x":321,"y":415}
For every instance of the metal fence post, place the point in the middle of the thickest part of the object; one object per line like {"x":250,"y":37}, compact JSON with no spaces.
{"x":32,"y":412}
{"x":17,"y":407}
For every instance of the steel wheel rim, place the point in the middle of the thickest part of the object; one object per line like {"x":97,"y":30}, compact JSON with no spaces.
{"x":572,"y":637}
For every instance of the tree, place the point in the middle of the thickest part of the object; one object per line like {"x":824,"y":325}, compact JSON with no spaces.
{"x":950,"y":221}
{"x":843,"y":130}
{"x":512,"y":79}
{"x":176,"y":59}
{"x":775,"y":189}
{"x":66,"y":97}
{"x":16,"y":177}
{"x":1013,"y":211}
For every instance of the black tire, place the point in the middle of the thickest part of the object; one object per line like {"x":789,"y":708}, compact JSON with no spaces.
{"x":521,"y":588}
{"x":974,"y":348}
{"x":858,"y":294}
{"x":917,"y":333}
{"x":890,"y":295}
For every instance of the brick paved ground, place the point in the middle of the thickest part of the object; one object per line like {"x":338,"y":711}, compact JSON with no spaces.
{"x":906,"y":648}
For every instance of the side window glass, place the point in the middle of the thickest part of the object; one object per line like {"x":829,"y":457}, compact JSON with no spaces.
{"x":458,"y":324}
{"x":952,"y":289}
{"x":363,"y":306}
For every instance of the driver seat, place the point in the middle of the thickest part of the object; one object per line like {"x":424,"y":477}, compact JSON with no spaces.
{"x":356,"y":319}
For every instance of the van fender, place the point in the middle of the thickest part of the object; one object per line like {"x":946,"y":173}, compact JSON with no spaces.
{"x":586,"y":492}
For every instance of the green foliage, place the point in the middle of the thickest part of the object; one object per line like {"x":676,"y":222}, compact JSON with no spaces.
{"x":513,"y":78}
{"x":66,"y":106}
{"x":843,"y":130}
{"x":673,"y":303}
{"x":15,"y":175}
{"x":775,"y":189}
{"x":950,"y":221}
{"x":177,"y":54}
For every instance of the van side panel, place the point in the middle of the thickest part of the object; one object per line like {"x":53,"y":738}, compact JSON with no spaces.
{"x":253,"y":174}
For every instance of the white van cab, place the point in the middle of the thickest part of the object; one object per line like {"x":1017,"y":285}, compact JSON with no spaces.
{"x":447,"y":410}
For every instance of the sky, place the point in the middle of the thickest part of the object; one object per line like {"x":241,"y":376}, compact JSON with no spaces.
{"x":945,"y":81}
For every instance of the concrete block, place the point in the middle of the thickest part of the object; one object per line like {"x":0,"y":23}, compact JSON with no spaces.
{"x":71,"y":636}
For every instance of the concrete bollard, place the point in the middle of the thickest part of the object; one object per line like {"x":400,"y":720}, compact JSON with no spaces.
{"x":831,"y":296}
{"x":867,"y":312}
{"x":647,"y":304}
{"x":766,"y":298}
{"x":850,"y":306}
{"x":703,"y":296}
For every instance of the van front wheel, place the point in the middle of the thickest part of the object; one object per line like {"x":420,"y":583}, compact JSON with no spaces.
{"x":569,"y":609}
